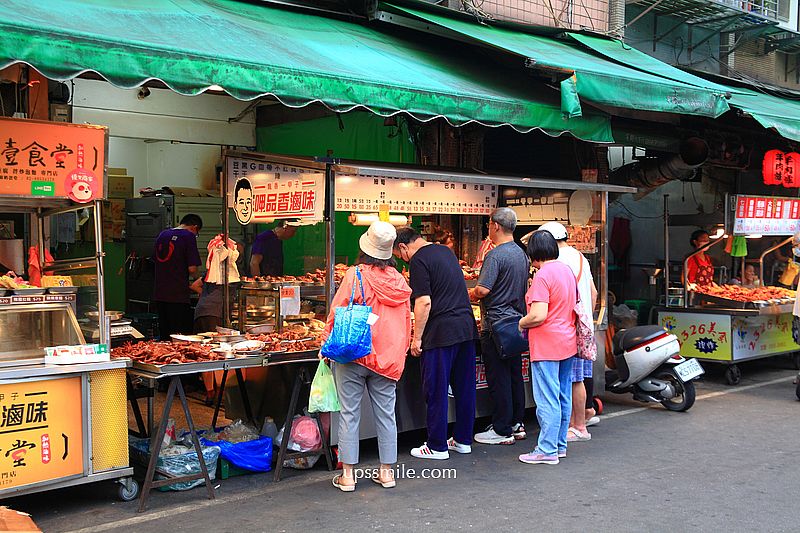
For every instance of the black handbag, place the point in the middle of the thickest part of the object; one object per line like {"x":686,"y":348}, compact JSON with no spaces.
{"x":510,"y":342}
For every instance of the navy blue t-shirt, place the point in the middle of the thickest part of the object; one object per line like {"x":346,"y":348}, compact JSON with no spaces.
{"x":435,"y":272}
{"x":270,"y":248}
{"x":175,"y":251}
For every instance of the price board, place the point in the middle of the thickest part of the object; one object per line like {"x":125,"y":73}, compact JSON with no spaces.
{"x":766,"y":215}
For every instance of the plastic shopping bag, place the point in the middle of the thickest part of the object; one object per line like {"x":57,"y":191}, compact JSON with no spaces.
{"x":253,"y":455}
{"x":351,"y":336}
{"x":323,"y":397}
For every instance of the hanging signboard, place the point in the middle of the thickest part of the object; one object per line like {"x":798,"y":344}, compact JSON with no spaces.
{"x":259,"y":191}
{"x":41,"y":431}
{"x":52,"y":159}
{"x":766,"y":215}
{"x":369,"y":193}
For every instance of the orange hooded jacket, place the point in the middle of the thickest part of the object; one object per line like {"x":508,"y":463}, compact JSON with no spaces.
{"x":390,"y":297}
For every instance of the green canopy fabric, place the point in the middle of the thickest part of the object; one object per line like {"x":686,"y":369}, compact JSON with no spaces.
{"x":781,"y":114}
{"x":598,"y":80}
{"x":252,"y":50}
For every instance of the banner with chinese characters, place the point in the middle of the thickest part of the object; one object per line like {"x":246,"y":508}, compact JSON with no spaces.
{"x":368,"y":193}
{"x":701,"y":335}
{"x":762,"y":335}
{"x":262,"y":192}
{"x":766,"y":215}
{"x":41,"y":431}
{"x":52,"y":159}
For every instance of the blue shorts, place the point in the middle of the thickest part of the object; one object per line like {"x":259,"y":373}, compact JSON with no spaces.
{"x":581,"y":368}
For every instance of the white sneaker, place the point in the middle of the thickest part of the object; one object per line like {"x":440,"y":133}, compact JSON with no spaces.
{"x":423,"y":452}
{"x":457,"y":447}
{"x":490,"y":437}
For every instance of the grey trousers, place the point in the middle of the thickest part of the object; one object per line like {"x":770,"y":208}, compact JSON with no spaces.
{"x":351,"y":379}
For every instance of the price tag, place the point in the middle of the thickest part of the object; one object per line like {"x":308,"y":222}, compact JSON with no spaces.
{"x":290,"y":300}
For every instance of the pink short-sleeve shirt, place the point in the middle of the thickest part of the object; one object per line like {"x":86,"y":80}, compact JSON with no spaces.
{"x":555,"y":339}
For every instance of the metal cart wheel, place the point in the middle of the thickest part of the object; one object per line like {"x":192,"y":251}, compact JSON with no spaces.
{"x":597,"y":404}
{"x":128,"y":489}
{"x":733,"y":374}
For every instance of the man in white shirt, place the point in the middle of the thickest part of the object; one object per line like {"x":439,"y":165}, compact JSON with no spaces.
{"x":582,"y":382}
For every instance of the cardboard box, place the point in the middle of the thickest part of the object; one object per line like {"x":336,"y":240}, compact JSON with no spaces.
{"x":120,"y":187}
{"x":11,"y":520}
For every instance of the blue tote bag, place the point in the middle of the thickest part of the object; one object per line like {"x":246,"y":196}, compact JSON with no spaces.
{"x":351,"y":336}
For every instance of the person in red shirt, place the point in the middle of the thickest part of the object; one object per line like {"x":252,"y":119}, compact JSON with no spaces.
{"x":700,"y":268}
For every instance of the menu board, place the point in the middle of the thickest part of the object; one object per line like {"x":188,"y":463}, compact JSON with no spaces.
{"x":369,"y":193}
{"x":766,"y":215}
{"x":259,"y":191}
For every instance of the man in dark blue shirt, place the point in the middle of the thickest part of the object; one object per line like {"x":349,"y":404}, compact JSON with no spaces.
{"x":176,"y":259}
{"x":444,"y":336}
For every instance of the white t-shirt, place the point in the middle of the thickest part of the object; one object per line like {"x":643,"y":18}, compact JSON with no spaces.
{"x":573,"y":258}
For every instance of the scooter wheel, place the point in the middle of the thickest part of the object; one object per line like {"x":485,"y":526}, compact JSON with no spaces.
{"x":685,"y":397}
{"x":597,"y":403}
{"x":797,"y":390}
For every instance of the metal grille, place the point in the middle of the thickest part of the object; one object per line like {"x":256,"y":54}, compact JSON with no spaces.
{"x":109,"y":418}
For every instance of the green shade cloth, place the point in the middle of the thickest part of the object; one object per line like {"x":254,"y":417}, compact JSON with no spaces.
{"x":781,"y":114}
{"x":770,"y":111}
{"x":253,"y":50}
{"x":599,"y":80}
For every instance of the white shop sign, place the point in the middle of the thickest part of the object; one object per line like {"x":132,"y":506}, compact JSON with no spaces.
{"x":261,"y":192}
{"x":765,"y":215}
{"x":369,"y":193}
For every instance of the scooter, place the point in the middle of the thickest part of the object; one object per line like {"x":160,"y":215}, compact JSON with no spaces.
{"x":650,"y":366}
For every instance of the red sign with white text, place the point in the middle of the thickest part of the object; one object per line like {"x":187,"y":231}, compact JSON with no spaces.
{"x":766,"y":215}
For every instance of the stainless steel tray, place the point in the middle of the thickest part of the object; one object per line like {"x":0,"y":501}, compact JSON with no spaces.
{"x":291,"y":357}
{"x":206,"y":366}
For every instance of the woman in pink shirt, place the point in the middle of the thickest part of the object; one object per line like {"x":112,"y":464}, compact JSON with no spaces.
{"x":553,"y":342}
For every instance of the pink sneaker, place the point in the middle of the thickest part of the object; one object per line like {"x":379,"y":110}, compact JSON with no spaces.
{"x":538,"y":458}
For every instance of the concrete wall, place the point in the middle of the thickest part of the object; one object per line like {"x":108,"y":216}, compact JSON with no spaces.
{"x":164,"y":138}
{"x":592,"y":14}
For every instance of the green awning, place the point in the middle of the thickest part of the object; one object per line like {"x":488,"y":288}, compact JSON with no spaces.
{"x":781,"y":114}
{"x":252,"y":50}
{"x":598,"y":80}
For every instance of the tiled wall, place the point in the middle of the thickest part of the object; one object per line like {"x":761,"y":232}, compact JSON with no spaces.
{"x":591,"y":14}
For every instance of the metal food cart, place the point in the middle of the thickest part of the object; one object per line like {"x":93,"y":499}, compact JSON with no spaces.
{"x":721,"y":330}
{"x":359,"y":187}
{"x":61,"y":424}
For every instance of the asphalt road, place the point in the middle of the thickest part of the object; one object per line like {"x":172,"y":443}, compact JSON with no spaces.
{"x":730,"y":463}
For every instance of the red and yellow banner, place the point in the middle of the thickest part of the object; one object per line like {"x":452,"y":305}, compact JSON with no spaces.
{"x":41,"y":431}
{"x":52,"y":159}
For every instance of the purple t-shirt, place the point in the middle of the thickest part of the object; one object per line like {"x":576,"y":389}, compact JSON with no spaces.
{"x":175,"y":251}
{"x":270,"y":248}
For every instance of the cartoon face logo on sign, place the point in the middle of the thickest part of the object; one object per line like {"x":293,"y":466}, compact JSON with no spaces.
{"x":243,"y":201}
{"x":80,"y":185}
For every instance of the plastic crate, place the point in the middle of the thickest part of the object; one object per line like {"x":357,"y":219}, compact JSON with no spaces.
{"x":227,"y":470}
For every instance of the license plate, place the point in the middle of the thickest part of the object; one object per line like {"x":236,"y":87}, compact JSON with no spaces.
{"x":689,"y":370}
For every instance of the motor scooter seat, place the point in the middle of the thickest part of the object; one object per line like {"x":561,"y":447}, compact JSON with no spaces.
{"x":632,"y":337}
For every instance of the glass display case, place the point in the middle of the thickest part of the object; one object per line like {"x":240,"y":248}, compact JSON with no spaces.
{"x":261,"y":306}
{"x":26,"y":329}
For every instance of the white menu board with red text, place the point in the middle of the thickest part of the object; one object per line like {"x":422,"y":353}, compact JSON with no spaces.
{"x":766,"y":215}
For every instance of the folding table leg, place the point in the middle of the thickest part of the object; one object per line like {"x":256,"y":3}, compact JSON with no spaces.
{"x":248,"y":410}
{"x":137,"y":412}
{"x":195,"y":441}
{"x":155,"y":444}
{"x":326,"y":447}
{"x":287,"y":426}
{"x":218,"y":399}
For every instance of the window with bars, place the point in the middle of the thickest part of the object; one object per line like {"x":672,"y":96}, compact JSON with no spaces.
{"x":573,"y":14}
{"x":771,"y":9}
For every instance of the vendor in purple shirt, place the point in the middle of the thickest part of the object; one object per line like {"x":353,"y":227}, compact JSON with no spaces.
{"x":176,"y":259}
{"x":266,"y":259}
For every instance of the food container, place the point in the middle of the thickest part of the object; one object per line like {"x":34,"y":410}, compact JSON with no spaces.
{"x":29,"y":291}
{"x":187,"y":338}
{"x":111,"y":315}
{"x":62,"y":290}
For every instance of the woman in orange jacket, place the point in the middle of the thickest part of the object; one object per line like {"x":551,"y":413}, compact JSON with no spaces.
{"x":387,"y":292}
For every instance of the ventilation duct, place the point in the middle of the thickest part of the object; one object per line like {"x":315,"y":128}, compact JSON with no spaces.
{"x":649,"y":174}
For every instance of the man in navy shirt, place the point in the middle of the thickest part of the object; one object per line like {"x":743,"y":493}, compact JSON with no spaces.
{"x":444,"y":338}
{"x":176,"y":259}
{"x":266,"y":258}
